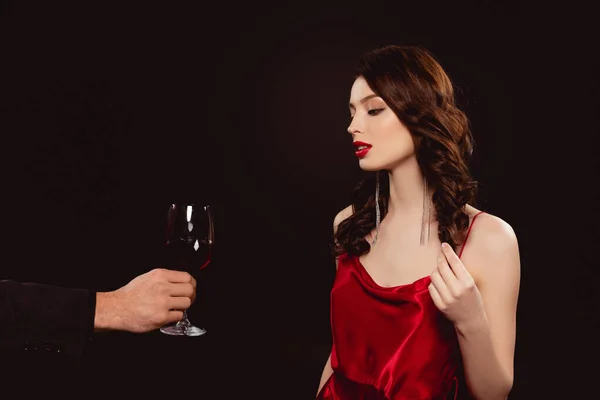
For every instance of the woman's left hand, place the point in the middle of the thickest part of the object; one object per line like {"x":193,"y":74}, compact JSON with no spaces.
{"x":454,"y":291}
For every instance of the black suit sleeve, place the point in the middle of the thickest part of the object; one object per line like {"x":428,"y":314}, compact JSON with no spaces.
{"x":46,"y":320}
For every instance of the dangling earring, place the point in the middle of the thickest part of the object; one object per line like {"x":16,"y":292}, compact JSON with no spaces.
{"x":426,"y":210}
{"x":377,"y":211}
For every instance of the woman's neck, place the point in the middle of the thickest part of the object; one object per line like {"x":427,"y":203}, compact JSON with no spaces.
{"x":407,"y":190}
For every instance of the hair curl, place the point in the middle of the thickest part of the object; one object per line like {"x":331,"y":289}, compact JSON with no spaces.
{"x":414,"y":85}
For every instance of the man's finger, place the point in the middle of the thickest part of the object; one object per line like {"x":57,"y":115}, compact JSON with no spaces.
{"x":179,"y":303}
{"x":174,"y":316}
{"x":181,"y":289}
{"x":178,"y":276}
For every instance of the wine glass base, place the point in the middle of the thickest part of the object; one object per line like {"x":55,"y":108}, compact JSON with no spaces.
{"x":182,"y":330}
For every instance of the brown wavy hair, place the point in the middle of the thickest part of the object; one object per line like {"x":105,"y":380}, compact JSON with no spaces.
{"x":415,"y":86}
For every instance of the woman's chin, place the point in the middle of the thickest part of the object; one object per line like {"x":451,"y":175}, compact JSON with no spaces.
{"x":368,"y":166}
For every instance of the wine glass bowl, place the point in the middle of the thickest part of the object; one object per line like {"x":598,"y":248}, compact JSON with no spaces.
{"x":188,"y":243}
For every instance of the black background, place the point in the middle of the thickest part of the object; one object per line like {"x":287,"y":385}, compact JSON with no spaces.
{"x":110,"y":110}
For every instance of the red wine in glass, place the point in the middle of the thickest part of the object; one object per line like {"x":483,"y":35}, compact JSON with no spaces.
{"x":187,"y":247}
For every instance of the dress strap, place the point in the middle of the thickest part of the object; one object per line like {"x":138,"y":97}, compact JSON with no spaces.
{"x":469,"y":231}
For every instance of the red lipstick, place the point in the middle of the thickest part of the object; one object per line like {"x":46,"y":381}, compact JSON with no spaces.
{"x":361,"y":148}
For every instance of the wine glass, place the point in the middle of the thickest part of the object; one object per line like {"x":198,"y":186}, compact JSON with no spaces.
{"x":188,"y":247}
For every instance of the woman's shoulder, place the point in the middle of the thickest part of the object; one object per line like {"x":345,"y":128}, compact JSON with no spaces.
{"x":491,"y":251}
{"x":491,"y":247}
{"x":489,"y":228}
{"x":342,"y":215}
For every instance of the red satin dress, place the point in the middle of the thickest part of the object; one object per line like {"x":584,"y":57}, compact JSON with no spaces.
{"x":390,"y":343}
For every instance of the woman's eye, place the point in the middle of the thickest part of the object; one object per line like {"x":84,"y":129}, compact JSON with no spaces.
{"x":375,"y":111}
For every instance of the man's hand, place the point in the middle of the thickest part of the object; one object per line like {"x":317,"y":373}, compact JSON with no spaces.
{"x":147,"y":302}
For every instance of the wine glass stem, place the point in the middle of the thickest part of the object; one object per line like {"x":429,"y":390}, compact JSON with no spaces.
{"x":185,"y":321}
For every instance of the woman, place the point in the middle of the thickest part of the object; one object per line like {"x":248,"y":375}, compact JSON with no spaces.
{"x":424,"y":301}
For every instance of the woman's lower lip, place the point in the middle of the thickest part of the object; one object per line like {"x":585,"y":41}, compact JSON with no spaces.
{"x":362,"y":153}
